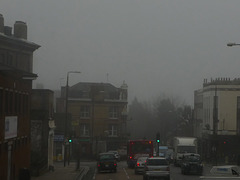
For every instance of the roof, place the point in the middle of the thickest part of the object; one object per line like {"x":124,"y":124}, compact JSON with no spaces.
{"x":156,"y":157}
{"x":18,"y":42}
{"x":86,"y":89}
{"x":86,"y":86}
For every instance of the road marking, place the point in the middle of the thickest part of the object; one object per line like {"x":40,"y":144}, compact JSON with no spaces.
{"x":126,"y":173}
{"x":94,"y":175}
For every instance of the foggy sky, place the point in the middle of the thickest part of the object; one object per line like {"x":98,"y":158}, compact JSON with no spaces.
{"x":156,"y":46}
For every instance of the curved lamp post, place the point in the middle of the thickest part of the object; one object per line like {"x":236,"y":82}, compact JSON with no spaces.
{"x":232,"y":44}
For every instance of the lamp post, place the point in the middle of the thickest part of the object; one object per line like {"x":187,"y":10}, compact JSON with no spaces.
{"x":66,"y":116}
{"x":232,"y":44}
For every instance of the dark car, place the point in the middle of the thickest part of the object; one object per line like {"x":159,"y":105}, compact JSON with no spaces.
{"x":106,"y":162}
{"x":191,"y":164}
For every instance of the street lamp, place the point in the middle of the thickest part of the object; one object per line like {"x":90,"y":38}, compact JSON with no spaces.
{"x":66,"y":114}
{"x":232,"y":44}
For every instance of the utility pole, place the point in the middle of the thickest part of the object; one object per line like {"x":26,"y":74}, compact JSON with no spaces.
{"x":66,"y":144}
{"x":158,"y":141}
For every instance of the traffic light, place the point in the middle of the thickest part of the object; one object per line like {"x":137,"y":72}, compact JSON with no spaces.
{"x":158,"y":138}
{"x":70,"y":139}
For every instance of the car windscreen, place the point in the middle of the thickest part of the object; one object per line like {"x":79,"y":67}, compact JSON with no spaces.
{"x":157,"y":162}
{"x":192,"y":158}
{"x":188,"y":149}
{"x":106,"y":157}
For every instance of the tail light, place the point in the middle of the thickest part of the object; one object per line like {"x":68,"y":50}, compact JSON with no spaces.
{"x":138,"y":164}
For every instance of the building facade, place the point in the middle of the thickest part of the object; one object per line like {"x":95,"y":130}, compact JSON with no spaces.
{"x":16,"y":61}
{"x":98,"y":116}
{"x":217,"y":116}
{"x":42,"y":130}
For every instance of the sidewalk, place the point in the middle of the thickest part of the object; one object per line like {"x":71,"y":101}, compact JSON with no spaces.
{"x":60,"y":172}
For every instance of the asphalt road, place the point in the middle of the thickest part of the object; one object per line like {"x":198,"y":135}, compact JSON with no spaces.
{"x":125,"y":173}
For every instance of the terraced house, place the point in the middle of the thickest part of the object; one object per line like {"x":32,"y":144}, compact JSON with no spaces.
{"x":98,"y":116}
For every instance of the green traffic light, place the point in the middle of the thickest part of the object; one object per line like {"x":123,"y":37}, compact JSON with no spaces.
{"x":70,"y":140}
{"x":158,"y":140}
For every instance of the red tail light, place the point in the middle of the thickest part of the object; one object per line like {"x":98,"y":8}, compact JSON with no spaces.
{"x":138,"y":164}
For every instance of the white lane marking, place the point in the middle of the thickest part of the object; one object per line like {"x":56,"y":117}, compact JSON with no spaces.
{"x":94,"y":175}
{"x":126,"y":173}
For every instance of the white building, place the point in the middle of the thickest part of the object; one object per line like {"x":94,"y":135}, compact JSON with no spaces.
{"x":222,"y":96}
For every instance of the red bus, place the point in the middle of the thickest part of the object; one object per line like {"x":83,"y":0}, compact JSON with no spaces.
{"x":137,"y":148}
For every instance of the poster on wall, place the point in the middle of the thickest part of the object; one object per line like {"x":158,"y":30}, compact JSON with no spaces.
{"x":10,"y":127}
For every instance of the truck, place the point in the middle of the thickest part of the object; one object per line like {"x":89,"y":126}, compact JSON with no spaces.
{"x":182,"y":145}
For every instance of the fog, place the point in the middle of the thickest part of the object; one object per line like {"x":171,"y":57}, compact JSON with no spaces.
{"x":155,"y":46}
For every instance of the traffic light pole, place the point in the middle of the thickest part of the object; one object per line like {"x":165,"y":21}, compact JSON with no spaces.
{"x":158,"y":141}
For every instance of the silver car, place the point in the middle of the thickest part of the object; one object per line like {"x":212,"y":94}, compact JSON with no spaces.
{"x":156,"y":167}
{"x":117,"y":156}
{"x":140,"y":165}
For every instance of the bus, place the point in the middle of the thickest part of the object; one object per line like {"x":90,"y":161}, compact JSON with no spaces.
{"x":138,"y":148}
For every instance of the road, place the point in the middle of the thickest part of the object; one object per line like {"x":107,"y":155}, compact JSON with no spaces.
{"x":125,"y":173}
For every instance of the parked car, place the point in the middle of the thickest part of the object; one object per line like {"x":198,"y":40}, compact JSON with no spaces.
{"x":191,"y":164}
{"x":156,"y":167}
{"x":227,"y":170}
{"x":106,"y":162}
{"x":224,"y":172}
{"x":116,"y":154}
{"x":139,"y":167}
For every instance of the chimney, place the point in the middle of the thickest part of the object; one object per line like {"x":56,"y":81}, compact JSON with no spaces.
{"x":8,"y":30}
{"x":1,"y":23}
{"x":20,"y":30}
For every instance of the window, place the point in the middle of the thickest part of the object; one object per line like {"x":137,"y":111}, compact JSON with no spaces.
{"x":10,"y":101}
{"x":1,"y":101}
{"x":112,"y":130}
{"x":238,"y":114}
{"x":16,"y":103}
{"x":6,"y":102}
{"x":113,"y":112}
{"x":84,"y":130}
{"x":85,"y":112}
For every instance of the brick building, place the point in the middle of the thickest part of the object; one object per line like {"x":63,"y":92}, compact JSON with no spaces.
{"x":98,"y":116}
{"x":16,"y":61}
